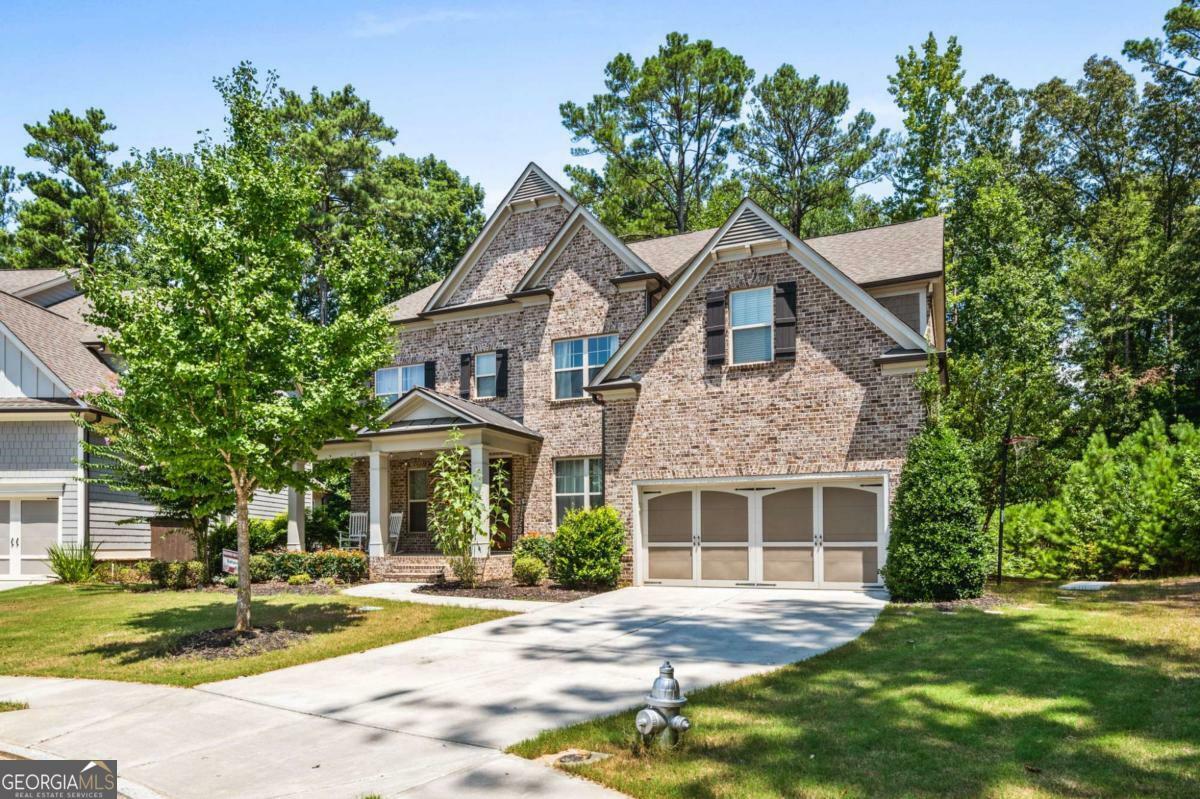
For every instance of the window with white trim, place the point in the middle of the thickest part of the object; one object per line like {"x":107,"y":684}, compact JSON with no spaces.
{"x":578,"y":483}
{"x":485,"y":375}
{"x":393,"y":382}
{"x":577,"y":361}
{"x":751,"y":323}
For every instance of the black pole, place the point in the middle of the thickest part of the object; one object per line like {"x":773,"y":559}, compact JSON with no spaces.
{"x":1003,"y":495}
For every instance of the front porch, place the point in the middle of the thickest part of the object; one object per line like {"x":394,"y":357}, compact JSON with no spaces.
{"x":390,"y":480}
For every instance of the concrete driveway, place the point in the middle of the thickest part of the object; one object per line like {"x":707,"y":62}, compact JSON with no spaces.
{"x":429,"y":717}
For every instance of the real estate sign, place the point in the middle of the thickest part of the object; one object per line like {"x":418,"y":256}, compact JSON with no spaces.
{"x":229,"y":561}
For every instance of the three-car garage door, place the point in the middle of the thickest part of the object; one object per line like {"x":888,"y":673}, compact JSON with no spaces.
{"x":763,"y":533}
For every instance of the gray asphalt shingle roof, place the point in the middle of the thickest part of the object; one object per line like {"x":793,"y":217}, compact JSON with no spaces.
{"x":56,"y":341}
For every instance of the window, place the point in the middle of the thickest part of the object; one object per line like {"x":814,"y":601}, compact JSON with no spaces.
{"x":394,"y":381}
{"x":751,"y":320}
{"x":578,"y":483}
{"x":485,"y":375}
{"x":418,"y":500}
{"x":577,"y":361}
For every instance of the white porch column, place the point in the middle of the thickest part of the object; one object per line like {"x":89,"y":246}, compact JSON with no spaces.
{"x":295,"y":512}
{"x":378,"y":503}
{"x":481,"y":478}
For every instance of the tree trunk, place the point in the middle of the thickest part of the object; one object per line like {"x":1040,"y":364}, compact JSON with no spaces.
{"x":242,"y":623}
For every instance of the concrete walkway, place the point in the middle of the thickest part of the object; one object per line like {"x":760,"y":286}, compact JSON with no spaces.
{"x":429,"y":717}
{"x":407,"y":592}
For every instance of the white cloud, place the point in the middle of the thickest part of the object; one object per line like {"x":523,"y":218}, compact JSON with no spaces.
{"x":375,"y":25}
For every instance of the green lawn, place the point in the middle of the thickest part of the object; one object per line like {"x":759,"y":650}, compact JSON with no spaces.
{"x":1095,"y":695}
{"x":104,"y":632}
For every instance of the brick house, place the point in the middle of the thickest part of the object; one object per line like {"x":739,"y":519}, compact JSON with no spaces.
{"x":742,"y":397}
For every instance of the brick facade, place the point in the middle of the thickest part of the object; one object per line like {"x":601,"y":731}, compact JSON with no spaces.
{"x":831,"y":409}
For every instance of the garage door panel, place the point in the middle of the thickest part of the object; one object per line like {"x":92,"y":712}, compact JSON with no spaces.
{"x":721,"y":563}
{"x":788,"y":515}
{"x":849,"y":514}
{"x":724,"y":517}
{"x":788,"y":564}
{"x":669,"y":563}
{"x":670,"y":518}
{"x":851,"y":564}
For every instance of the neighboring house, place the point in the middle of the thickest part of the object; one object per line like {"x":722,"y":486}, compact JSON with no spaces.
{"x":742,"y":397}
{"x":48,"y":355}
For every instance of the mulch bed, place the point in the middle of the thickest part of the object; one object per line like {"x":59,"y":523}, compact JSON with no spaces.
{"x":274,"y":587}
{"x":985,"y":602}
{"x":506,"y":589}
{"x":225,"y":643}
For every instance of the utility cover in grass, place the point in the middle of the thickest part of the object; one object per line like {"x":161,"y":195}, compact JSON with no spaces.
{"x":1085,"y":585}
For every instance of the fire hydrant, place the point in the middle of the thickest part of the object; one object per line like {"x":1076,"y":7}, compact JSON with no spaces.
{"x":661,"y":716}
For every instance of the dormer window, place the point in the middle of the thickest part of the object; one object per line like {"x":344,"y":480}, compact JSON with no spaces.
{"x":751,"y":320}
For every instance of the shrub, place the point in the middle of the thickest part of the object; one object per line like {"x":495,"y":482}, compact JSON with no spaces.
{"x":230,"y":581}
{"x":260,"y":568}
{"x":528,"y":570}
{"x":285,"y":565}
{"x":1129,"y":510}
{"x":588,"y":548}
{"x":176,"y":575}
{"x":937,"y":548}
{"x":265,"y":535}
{"x":536,"y":545}
{"x":343,"y":565}
{"x":323,"y":524}
{"x":329,"y":582}
{"x":72,"y":563}
{"x":303,"y":578}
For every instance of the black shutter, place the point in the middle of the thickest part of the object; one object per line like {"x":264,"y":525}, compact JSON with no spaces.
{"x":431,"y":375}
{"x":464,"y":375}
{"x":714,"y":327}
{"x":785,"y":320}
{"x":501,"y":373}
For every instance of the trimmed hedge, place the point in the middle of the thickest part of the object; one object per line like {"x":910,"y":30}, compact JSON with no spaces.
{"x":343,"y":565}
{"x":176,"y":575}
{"x":535,"y":545}
{"x":936,"y":550}
{"x":588,"y":548}
{"x":528,"y":570}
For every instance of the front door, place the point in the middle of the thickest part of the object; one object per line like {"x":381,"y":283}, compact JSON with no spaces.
{"x":809,"y":535}
{"x":28,"y":528}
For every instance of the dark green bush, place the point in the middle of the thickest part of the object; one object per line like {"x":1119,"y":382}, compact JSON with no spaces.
{"x":260,"y":568}
{"x":937,"y":549}
{"x":536,"y":545}
{"x":528,"y":570}
{"x":176,"y":575}
{"x":588,"y":548}
{"x":322,"y":525}
{"x":72,"y":563}
{"x":265,"y":535}
{"x":1129,"y":510}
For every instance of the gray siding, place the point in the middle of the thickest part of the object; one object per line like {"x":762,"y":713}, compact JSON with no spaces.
{"x":38,"y":451}
{"x":267,"y":505}
{"x":108,"y":508}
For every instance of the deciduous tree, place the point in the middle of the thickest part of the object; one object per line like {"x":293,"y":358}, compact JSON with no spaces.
{"x":224,"y":378}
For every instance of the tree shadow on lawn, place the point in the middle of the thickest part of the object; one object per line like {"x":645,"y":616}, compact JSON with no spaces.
{"x":935,"y":704}
{"x":168,"y":626}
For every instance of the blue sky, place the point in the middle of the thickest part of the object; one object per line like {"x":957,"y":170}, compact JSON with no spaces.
{"x":479,"y":83}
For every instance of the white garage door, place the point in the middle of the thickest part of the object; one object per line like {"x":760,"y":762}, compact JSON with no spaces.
{"x":28,"y":527}
{"x":829,"y":534}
